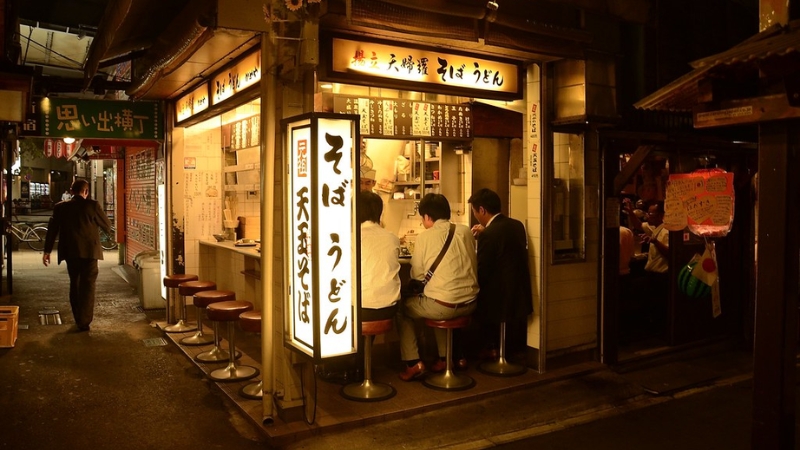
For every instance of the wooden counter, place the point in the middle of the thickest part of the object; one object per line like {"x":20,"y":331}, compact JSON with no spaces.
{"x":233,"y":268}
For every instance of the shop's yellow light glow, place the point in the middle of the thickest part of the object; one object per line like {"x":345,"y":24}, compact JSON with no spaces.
{"x":69,"y":140}
{"x":423,"y":66}
{"x":192,"y":103}
{"x":237,"y":78}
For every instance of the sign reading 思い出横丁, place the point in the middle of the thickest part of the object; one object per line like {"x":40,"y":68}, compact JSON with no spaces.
{"x":322,"y":297}
{"x":79,"y":118}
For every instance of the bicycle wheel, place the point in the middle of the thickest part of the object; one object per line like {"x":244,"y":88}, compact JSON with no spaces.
{"x":35,"y":238}
{"x":107,"y":240}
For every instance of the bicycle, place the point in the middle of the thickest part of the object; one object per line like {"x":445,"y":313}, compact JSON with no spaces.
{"x":107,"y":241}
{"x":34,"y":234}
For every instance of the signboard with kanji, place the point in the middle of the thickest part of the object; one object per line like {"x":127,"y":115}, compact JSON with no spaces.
{"x":109,"y":119}
{"x":322,"y":249}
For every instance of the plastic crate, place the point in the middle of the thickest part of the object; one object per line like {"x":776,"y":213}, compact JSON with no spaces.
{"x":9,"y":320}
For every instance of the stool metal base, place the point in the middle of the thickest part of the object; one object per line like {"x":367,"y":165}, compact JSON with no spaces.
{"x":501,"y":368}
{"x":198,"y":339}
{"x":448,"y":381}
{"x":253,"y":391}
{"x":180,"y":327}
{"x":368,"y":391}
{"x":216,"y":355}
{"x":234,"y":372}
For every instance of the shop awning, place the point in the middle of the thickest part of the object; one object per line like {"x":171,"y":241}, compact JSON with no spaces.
{"x":774,"y":52}
{"x":169,"y":43}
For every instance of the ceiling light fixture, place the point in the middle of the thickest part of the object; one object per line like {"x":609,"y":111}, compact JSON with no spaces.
{"x":69,"y":140}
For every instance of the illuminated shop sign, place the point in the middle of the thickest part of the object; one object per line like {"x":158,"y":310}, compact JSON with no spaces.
{"x":192,"y":103}
{"x":430,"y":67}
{"x":69,"y":117}
{"x":237,"y":78}
{"x":322,"y":285}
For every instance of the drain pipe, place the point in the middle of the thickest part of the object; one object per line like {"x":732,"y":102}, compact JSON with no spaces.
{"x":269,"y":118}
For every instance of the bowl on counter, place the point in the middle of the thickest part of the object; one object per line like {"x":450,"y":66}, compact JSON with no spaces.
{"x":219,"y":237}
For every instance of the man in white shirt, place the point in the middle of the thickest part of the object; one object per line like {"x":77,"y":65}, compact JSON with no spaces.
{"x":450,"y":293}
{"x":380,"y":264}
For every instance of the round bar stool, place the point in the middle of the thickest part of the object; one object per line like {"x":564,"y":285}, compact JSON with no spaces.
{"x":449,"y":380}
{"x":501,"y":367}
{"x":171,"y":282}
{"x":250,"y":321}
{"x":201,"y":300}
{"x":229,"y":312}
{"x":188,"y":289}
{"x":367,"y":391}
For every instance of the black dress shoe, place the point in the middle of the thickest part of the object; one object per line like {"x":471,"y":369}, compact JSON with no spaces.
{"x":83,"y":328}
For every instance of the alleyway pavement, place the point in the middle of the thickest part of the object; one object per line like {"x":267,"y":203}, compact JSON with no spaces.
{"x":112,"y":388}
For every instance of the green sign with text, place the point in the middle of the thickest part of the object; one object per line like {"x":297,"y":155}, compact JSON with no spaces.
{"x":109,"y":119}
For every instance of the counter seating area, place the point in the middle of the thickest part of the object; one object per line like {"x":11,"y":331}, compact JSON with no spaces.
{"x":335,"y":413}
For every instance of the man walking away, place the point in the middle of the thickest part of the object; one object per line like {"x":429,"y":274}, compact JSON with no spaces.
{"x":76,"y":223}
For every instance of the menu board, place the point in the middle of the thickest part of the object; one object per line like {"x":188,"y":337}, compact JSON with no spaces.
{"x":241,"y":134}
{"x":404,"y":119}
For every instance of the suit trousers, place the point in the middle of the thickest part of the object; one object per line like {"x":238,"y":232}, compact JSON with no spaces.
{"x":422,"y":307}
{"x":82,"y":277}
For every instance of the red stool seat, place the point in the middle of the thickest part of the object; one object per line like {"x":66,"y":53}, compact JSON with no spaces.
{"x":189,"y":288}
{"x":172,"y":281}
{"x":458,"y":322}
{"x":227,"y":311}
{"x":204,"y":298}
{"x":250,"y":321}
{"x":376,"y":327}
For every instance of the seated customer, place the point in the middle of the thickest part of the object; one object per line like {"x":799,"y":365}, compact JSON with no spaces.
{"x":452,"y":290}
{"x":380,"y":266}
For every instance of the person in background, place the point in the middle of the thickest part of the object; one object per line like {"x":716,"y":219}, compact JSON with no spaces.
{"x":76,"y":223}
{"x":367,"y":179}
{"x":626,"y":250}
{"x":66,"y":196}
{"x":380,"y":264}
{"x":656,"y":279}
{"x":450,"y":292}
{"x":503,"y":275}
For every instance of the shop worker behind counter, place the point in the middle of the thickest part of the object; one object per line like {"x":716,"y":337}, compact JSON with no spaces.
{"x":451,"y":291}
{"x":76,"y":223}
{"x":502,"y":272}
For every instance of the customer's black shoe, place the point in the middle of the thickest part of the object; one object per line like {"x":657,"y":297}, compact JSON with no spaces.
{"x":83,"y":328}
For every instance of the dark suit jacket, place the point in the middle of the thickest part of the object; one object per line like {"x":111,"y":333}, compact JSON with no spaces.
{"x":503,"y":271}
{"x":76,"y":223}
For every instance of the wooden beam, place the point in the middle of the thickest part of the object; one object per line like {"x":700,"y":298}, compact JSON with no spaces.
{"x":638,"y":157}
{"x":745,"y":111}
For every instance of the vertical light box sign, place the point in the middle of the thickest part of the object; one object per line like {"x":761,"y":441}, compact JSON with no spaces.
{"x":323,"y":283}
{"x":300,"y":226}
{"x":336,"y":227}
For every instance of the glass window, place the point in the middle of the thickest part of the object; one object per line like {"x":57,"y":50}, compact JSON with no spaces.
{"x":567,"y":198}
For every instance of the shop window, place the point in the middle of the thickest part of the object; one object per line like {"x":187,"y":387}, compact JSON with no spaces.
{"x":567,"y":198}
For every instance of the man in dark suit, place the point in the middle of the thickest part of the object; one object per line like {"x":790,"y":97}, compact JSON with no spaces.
{"x":76,"y":223}
{"x":503,"y":276}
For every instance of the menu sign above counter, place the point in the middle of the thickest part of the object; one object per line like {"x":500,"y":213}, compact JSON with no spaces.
{"x":407,"y":119}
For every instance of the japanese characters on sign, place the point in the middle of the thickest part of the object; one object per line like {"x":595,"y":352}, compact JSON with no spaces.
{"x":236,"y":78}
{"x":405,"y":119}
{"x":323,"y":286}
{"x":430,"y":67}
{"x":78,"y":118}
{"x":243,"y":133}
{"x":702,"y":200}
{"x":192,"y":103}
